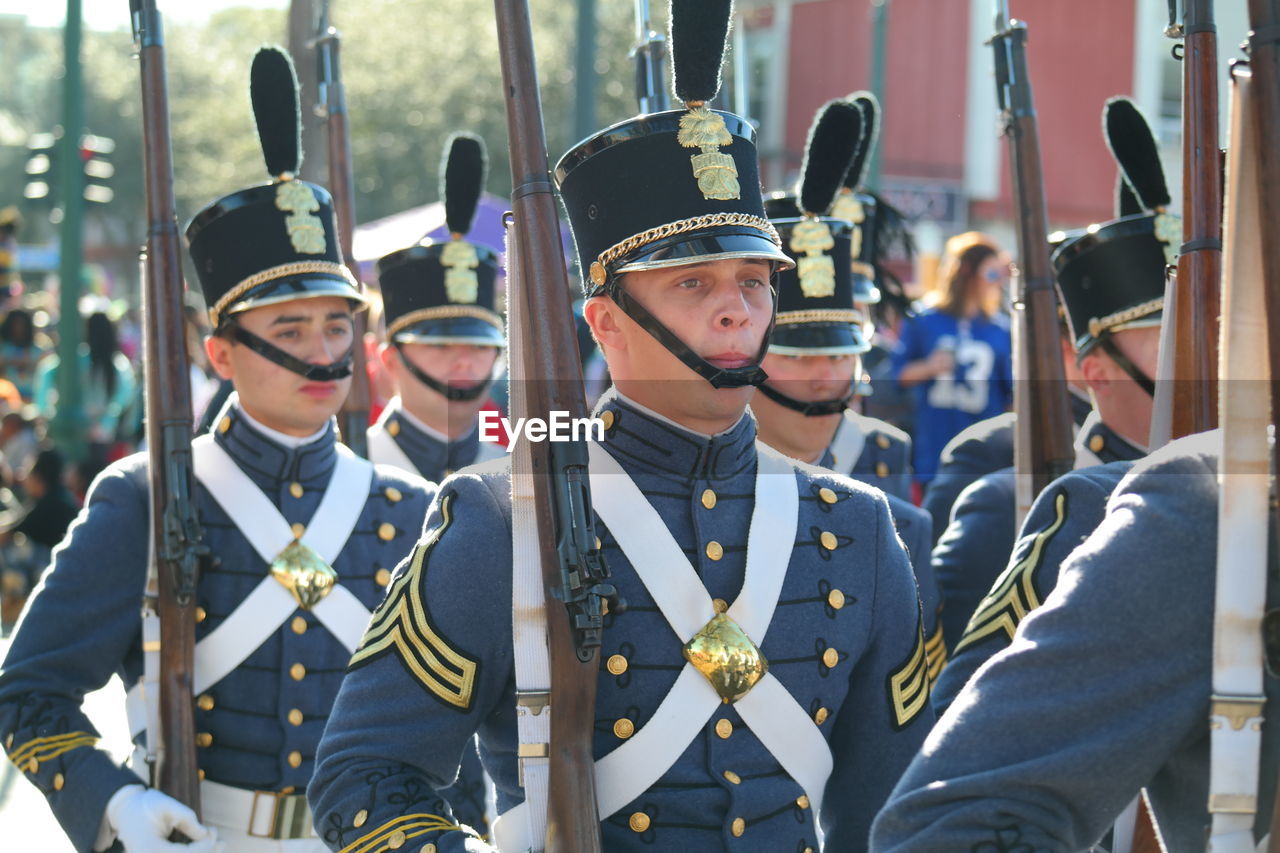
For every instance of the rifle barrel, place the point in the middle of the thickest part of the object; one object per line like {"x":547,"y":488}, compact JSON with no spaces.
{"x":1195,"y":364}
{"x":1042,"y":440}
{"x":355,"y":409}
{"x":554,"y":384}
{"x":168,"y":397}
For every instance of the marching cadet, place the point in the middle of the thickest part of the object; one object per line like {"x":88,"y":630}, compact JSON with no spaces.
{"x":1162,"y":615}
{"x":304,"y":533}
{"x":444,"y":336}
{"x":1024,"y":760}
{"x":814,"y":358}
{"x":1111,"y":279}
{"x":863,"y":447}
{"x":678,"y":255}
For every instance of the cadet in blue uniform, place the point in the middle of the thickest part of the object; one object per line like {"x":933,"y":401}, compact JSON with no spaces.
{"x":679,"y":264}
{"x":1111,"y":279}
{"x":1025,"y":759}
{"x":863,"y":447}
{"x":814,"y":366}
{"x":444,"y":335}
{"x":287,"y":511}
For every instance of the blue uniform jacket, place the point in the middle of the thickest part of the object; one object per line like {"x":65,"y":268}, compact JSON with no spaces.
{"x":1104,"y":689}
{"x":885,"y":461}
{"x":1061,"y":518}
{"x":979,"y":450}
{"x":82,"y":626}
{"x":433,"y":457}
{"x":847,"y":628}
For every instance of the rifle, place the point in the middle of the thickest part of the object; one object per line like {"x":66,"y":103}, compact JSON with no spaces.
{"x":1238,"y":697}
{"x":1042,"y":440}
{"x":332,"y":101}
{"x":1195,"y":364}
{"x":573,"y":572}
{"x":178,"y":552}
{"x":650,"y":55}
{"x":1264,"y":101}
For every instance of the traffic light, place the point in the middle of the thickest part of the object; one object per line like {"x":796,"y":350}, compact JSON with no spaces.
{"x":42,"y":167}
{"x":95,"y":152}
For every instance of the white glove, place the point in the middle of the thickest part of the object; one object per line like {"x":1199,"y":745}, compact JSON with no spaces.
{"x":143,"y":819}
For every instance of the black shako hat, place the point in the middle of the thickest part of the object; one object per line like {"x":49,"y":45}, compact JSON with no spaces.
{"x":278,"y":241}
{"x":816,"y":313}
{"x":672,"y":188}
{"x":444,"y":292}
{"x":1112,"y":275}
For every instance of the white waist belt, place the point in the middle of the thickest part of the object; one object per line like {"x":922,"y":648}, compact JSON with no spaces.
{"x":264,"y":814}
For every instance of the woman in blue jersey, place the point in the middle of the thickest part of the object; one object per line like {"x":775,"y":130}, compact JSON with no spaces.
{"x":956,"y":353}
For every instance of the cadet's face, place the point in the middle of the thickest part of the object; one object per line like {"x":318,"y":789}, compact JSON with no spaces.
{"x":719,"y":309}
{"x":456,"y":365}
{"x":318,"y":331}
{"x":810,"y":378}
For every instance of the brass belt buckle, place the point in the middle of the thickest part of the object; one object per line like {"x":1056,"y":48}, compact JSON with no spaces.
{"x":287,"y":811}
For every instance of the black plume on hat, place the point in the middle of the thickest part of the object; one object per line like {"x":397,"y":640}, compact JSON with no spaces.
{"x":835,"y":133}
{"x":870,"y":109}
{"x":273,"y":89}
{"x":1127,"y":204}
{"x":462,"y":176}
{"x":699,"y":34}
{"x":1132,"y":144}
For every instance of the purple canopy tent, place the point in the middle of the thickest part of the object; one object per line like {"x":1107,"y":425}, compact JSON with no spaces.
{"x":401,"y":230}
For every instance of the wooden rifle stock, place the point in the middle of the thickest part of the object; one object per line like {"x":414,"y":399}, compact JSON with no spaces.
{"x":175,"y":527}
{"x":355,"y":409}
{"x":1042,"y":438}
{"x":1195,"y":363}
{"x":550,"y":361}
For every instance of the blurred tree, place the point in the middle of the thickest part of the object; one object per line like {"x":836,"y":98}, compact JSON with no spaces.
{"x":415,"y":71}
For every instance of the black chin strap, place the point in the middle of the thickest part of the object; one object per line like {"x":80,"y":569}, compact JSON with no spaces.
{"x":339,"y":369}
{"x":1123,"y":362}
{"x":809,"y":410}
{"x":719,"y":377}
{"x":450,"y":393}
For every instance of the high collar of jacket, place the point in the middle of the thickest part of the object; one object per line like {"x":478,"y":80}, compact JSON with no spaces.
{"x":269,"y":462}
{"x":430,"y":451}
{"x":644,"y":440}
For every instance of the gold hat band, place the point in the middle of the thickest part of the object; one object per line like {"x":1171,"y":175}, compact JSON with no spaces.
{"x":1099,"y":325}
{"x":819,"y":315}
{"x":282,"y":271}
{"x":443,"y":312}
{"x":681,"y":226}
